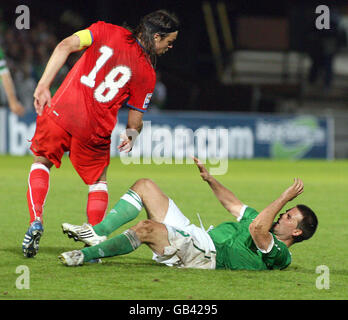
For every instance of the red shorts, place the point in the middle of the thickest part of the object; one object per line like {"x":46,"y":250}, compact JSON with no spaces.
{"x":51,"y":141}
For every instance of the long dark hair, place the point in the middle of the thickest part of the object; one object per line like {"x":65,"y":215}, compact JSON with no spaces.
{"x":161,"y":22}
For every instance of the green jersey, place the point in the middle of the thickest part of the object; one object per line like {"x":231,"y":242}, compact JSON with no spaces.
{"x":236,"y":250}
{"x":3,"y":67}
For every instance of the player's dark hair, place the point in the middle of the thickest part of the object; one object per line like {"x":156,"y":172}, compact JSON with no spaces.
{"x":308,"y":224}
{"x":161,"y":22}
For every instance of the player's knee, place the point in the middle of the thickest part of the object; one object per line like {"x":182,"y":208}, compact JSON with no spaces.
{"x":143,"y":186}
{"x":144,"y":182}
{"x":102,"y":177}
{"x":145,"y":230}
{"x":42,"y":160}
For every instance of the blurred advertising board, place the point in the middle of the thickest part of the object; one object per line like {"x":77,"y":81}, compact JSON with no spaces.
{"x":221,"y":135}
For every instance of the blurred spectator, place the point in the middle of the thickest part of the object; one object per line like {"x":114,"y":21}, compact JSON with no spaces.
{"x":27,"y":53}
{"x":26,"y":84}
{"x":159,"y":95}
{"x":8,"y":93}
{"x":322,"y":47}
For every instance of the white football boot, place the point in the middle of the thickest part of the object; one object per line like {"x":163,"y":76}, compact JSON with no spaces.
{"x":84,"y":233}
{"x":72,"y":258}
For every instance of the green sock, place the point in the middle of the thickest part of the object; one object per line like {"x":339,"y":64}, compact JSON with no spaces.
{"x":119,"y":245}
{"x":125,"y":210}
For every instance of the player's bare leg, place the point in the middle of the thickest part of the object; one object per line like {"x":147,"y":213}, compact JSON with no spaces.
{"x":154,"y":200}
{"x":159,"y":207}
{"x":44,"y":161}
{"x":143,"y":193}
{"x":152,"y":233}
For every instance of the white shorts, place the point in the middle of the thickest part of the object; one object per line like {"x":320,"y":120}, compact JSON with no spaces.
{"x":190,"y":246}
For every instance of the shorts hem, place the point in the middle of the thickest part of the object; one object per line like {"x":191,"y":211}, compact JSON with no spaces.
{"x":55,"y":162}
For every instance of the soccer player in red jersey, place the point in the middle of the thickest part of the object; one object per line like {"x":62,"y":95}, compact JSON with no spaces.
{"x":117,"y":67}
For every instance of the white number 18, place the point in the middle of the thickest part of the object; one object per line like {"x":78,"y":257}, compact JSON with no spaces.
{"x":109,"y":81}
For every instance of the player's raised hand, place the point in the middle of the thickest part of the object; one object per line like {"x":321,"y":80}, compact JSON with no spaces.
{"x":202,"y":169}
{"x":42,"y":96}
{"x":294,"y":190}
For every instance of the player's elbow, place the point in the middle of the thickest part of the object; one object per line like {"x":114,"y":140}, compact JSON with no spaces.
{"x":257,"y":227}
{"x":252,"y":228}
{"x":257,"y":232}
{"x":68,"y":45}
{"x":234,"y":208}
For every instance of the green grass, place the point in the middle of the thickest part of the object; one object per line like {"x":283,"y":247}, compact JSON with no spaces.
{"x":136,"y":276}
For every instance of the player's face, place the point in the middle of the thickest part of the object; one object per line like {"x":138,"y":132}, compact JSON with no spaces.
{"x":287,"y":223}
{"x":162,"y":45}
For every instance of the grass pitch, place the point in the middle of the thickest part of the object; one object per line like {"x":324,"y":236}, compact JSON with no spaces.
{"x":136,"y":276}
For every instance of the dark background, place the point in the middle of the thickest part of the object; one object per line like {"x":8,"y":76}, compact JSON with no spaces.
{"x":188,"y":70}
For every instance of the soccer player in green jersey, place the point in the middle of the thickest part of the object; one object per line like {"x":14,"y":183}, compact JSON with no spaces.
{"x":255,"y":242}
{"x":7,"y":82}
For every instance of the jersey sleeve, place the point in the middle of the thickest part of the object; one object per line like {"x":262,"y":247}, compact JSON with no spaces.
{"x":277,"y":256}
{"x":96,"y":30}
{"x":247,"y":214}
{"x":141,"y":92}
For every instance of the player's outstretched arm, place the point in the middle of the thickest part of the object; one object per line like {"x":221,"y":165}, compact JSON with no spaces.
{"x":259,"y":228}
{"x":42,"y":94}
{"x":226,"y":197}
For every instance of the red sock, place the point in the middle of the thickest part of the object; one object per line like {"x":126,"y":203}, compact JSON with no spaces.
{"x":38,"y":184}
{"x":97,"y":203}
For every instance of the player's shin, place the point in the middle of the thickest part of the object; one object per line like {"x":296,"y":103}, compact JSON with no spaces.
{"x":38,"y":185}
{"x":97,"y":202}
{"x":125,"y":210}
{"x":122,"y":244}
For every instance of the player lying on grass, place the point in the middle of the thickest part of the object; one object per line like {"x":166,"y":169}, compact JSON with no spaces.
{"x":255,"y":242}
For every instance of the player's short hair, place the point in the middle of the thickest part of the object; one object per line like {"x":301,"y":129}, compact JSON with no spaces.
{"x":308,"y":224}
{"x":161,"y":22}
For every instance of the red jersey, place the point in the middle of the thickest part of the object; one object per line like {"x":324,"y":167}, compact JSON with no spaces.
{"x":113,"y":69}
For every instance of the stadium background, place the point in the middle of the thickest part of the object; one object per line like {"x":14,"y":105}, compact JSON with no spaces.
{"x":230,"y":57}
